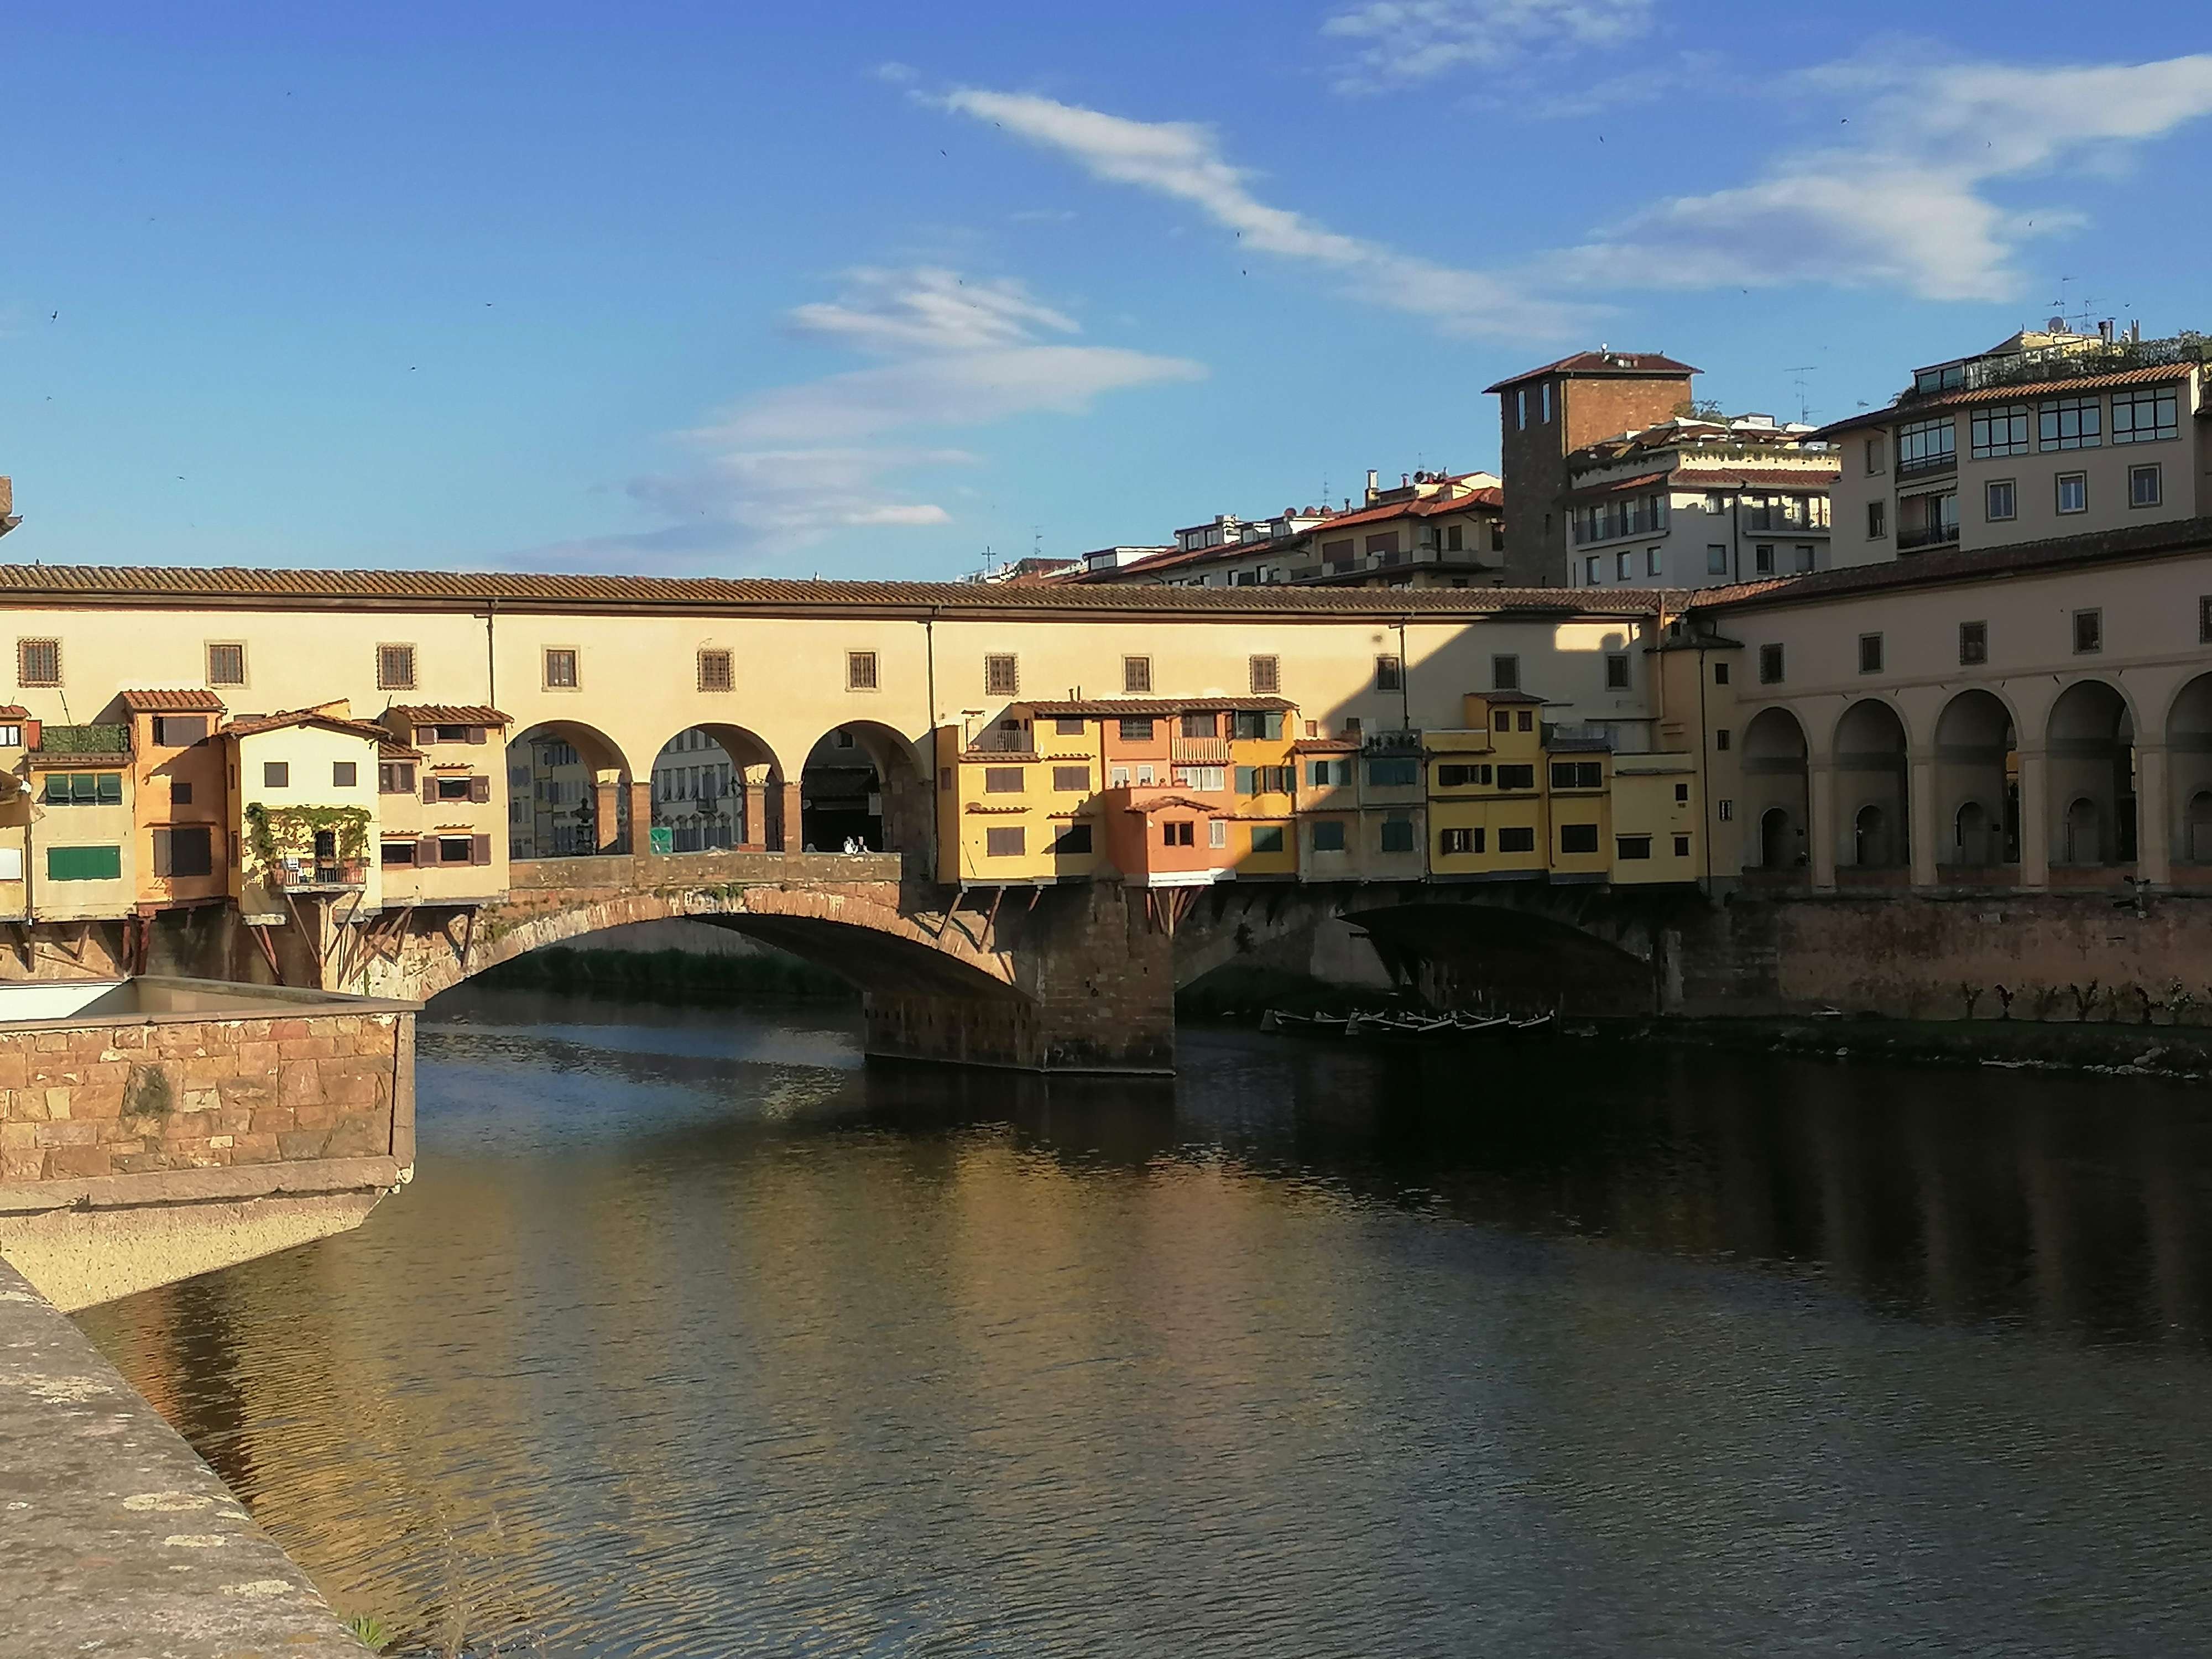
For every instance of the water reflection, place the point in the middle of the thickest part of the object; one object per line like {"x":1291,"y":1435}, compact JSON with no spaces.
{"x":697,"y":1337}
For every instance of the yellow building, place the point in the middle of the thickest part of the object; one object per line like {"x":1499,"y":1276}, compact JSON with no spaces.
{"x":1486,"y":791}
{"x":16,"y":731}
{"x":1020,"y":804}
{"x":83,"y":834}
{"x":1657,"y":819}
{"x":440,"y":837}
{"x":180,"y":797}
{"x":303,"y":787}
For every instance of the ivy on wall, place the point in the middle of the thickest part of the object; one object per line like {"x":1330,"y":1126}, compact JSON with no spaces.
{"x":274,"y":834}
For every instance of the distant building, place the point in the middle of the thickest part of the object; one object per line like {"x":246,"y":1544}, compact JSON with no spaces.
{"x":1026,"y":570}
{"x":698,"y":793}
{"x":2049,"y":433}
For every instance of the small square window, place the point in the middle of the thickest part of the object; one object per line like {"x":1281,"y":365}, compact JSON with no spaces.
{"x":1725,"y":810}
{"x":1265,"y":674}
{"x":1762,"y":559}
{"x":38,"y":662}
{"x":1876,"y":454}
{"x":1681,"y":847}
{"x":275,"y":774}
{"x":2000,"y":500}
{"x":2088,"y":632}
{"x":860,"y":671}
{"x":1001,"y":676}
{"x":561,"y":668}
{"x":2073,"y":492}
{"x":1002,"y":844}
{"x":1716,"y":559}
{"x":1137,"y":676}
{"x":1770,"y":665}
{"x":1505,"y":673}
{"x":2144,"y":486}
{"x":180,"y":792}
{"x":395,"y":668}
{"x":1877,"y":521}
{"x":1328,"y":836}
{"x":1869,"y":653}
{"x":1974,"y":644}
{"x":1721,"y":738}
{"x":716,"y":672}
{"x":1524,"y":721}
{"x":344,"y":774}
{"x":1616,"y":671}
{"x":1719,"y":673}
{"x":1389,"y":674}
{"x":226,"y":665}
{"x":1681,"y":794}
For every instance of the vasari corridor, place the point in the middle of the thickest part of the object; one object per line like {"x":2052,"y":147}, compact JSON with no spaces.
{"x":1371,"y":829}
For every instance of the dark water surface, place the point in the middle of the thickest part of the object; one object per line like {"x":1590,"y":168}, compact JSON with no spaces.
{"x":693,"y":1336}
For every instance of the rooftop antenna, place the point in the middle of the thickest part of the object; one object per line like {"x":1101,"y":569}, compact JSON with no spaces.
{"x":1799,"y":371}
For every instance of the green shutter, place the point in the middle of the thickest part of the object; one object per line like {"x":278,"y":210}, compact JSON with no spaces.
{"x":84,"y":863}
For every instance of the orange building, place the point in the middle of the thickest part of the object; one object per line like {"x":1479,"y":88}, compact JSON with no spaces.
{"x":179,"y":789}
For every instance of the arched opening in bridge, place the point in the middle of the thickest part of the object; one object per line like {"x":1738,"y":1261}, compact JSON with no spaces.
{"x":1977,"y":778}
{"x":862,"y":789}
{"x":2091,"y":749}
{"x":567,"y":792}
{"x":2189,"y":768}
{"x":714,"y":786}
{"x":1870,"y":769}
{"x":1468,"y":954}
{"x":1774,"y":787}
{"x":1973,"y":838}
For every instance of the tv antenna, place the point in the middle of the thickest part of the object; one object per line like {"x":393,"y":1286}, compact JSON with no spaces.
{"x":1798,"y":372}
{"x":2062,"y":307}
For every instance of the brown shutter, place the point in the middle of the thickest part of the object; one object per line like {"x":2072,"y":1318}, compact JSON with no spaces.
{"x":479,"y":790}
{"x":476,"y":734}
{"x":426,"y":851}
{"x":429,"y":790}
{"x":164,"y":859}
{"x":425,"y":734}
{"x":480,"y":849}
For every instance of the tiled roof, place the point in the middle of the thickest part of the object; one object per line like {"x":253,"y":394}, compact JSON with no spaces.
{"x":1430,"y":506}
{"x":178,"y":700}
{"x":26,"y":584}
{"x":1642,"y":481}
{"x":438,"y":713}
{"x":246,"y":725}
{"x":14,"y":711}
{"x":1154,"y":803}
{"x":58,"y":760}
{"x":387,"y":749}
{"x":1748,"y":477}
{"x":1504,"y":694}
{"x":1634,"y":365}
{"x":1325,"y":746}
{"x":1140,"y":705}
{"x":2174,"y":536}
{"x":1914,"y":407}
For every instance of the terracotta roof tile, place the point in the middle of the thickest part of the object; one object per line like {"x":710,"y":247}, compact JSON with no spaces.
{"x":438,"y":713}
{"x":1632,"y":365}
{"x":1156,"y":706}
{"x":14,"y":711}
{"x":1912,"y":408}
{"x":246,"y":726}
{"x":387,"y":749}
{"x":175,"y":700}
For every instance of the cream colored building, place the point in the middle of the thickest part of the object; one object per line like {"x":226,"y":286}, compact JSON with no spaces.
{"x":304,"y":792}
{"x":2046,"y":434}
{"x":83,"y":832}
{"x":441,"y":830}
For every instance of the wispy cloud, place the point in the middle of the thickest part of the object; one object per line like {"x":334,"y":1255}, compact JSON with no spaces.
{"x":783,"y":469}
{"x":1905,"y":197}
{"x":1398,"y":41}
{"x":1183,"y":160}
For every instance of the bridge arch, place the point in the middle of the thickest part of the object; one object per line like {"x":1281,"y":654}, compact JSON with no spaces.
{"x":2188,"y":771}
{"x":2090,"y":741}
{"x":1870,"y":786}
{"x":1977,"y":781}
{"x":862,"y":782}
{"x":1776,"y":807}
{"x":568,"y":791}
{"x":717,"y":784}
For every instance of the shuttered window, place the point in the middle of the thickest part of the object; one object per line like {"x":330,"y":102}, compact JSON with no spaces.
{"x":1071,"y":780}
{"x":38,"y":662}
{"x":1001,"y":676}
{"x":1266,"y":676}
{"x":226,"y":664}
{"x":84,"y":863}
{"x":561,"y":668}
{"x":1136,"y":675}
{"x":715,"y":673}
{"x":1002,"y":780}
{"x":395,"y":668}
{"x":1002,"y":844}
{"x":859,"y":671}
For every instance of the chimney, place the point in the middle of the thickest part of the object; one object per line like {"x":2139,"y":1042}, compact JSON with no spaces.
{"x":1403,"y":479}
{"x":2105,"y":331}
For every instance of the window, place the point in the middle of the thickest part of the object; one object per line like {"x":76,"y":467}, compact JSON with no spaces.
{"x":1721,"y":739}
{"x":397,"y":778}
{"x":1264,"y":675}
{"x":1927,"y":446}
{"x":1328,"y":836}
{"x":180,"y":731}
{"x":1716,"y":559}
{"x":714,"y":672}
{"x":1681,"y":794}
{"x":1136,"y":728}
{"x":1681,"y":847}
{"x":1545,"y":392}
{"x":2071,"y":424}
{"x":456,"y":849}
{"x":561,"y":668}
{"x":1877,"y":458}
{"x":1214,"y":779}
{"x":186,"y":852}
{"x":84,"y":863}
{"x":943,"y":779}
{"x":1502,"y":720}
{"x":1651,"y":560}
{"x":1205,"y":726}
{"x":1521,"y":408}
{"x":11,"y":737}
{"x":275,"y":774}
{"x":1801,"y":556}
{"x":1719,"y":673}
{"x":1002,"y":844}
{"x":2145,"y":414}
{"x":1458,"y":777}
{"x":1623,"y":564}
{"x":1996,"y":432}
{"x":38,"y":662}
{"x":2143,"y":487}
{"x":180,"y":792}
{"x":1869,"y":653}
{"x":1762,"y":559}
{"x":1506,"y":674}
{"x":1121,"y":777}
{"x":1725,"y":810}
{"x":1075,"y":838}
{"x":1266,"y":837}
{"x":1589,"y":570}
{"x":1524,"y":721}
{"x":1616,"y":671}
{"x":2204,"y":620}
{"x":399,"y":853}
{"x":1264,"y":724}
{"x":1516,"y":839}
{"x":2088,"y":632}
{"x":1770,"y":665}
{"x":344,"y":774}
{"x":1631,"y":846}
{"x":1578,"y":838}
{"x":1389,"y":674}
{"x":453,"y":788}
{"x":1002,"y":780}
{"x":1394,"y":772}
{"x":2073,"y":492}
{"x":1877,"y":521}
{"x":1071,"y":780}
{"x":1178,"y":832}
{"x":1450,"y":842}
{"x":2000,"y":500}
{"x":1397,"y":833}
{"x":1517,"y":777}
{"x":1001,"y":676}
{"x":1974,"y":644}
{"x":1384,"y":546}
{"x":226,"y":665}
{"x":1328,"y":773}
{"x":395,"y":668}
{"x":1264,"y":779}
{"x":1136,"y":675}
{"x":1578,"y":774}
{"x":860,"y":671}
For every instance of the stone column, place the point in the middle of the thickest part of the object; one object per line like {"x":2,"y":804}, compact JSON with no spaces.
{"x":1821,"y":806}
{"x":755,"y":839}
{"x":640,"y":815}
{"x":1920,"y":816}
{"x":609,"y":820}
{"x":2034,"y":818}
{"x":793,"y":836}
{"x":2154,"y":815}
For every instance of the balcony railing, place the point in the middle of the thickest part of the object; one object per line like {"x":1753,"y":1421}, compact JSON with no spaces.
{"x":1922,"y":466}
{"x":1774,"y":518}
{"x":1198,"y":751}
{"x":303,"y":875}
{"x":1940,"y":535}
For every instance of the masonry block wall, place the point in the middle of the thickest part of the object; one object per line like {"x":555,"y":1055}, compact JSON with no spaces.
{"x":145,"y":1097}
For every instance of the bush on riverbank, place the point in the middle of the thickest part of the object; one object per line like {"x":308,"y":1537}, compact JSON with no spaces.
{"x":667,"y":974}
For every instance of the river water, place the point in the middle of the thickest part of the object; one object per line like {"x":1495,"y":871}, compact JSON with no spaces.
{"x":696,"y":1336}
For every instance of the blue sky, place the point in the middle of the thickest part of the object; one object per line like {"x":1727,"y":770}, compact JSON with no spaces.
{"x":863,"y":289}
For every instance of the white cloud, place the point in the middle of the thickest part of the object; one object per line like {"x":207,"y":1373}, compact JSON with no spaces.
{"x":899,"y":74}
{"x":783,"y":469}
{"x":1183,"y":160}
{"x":1906,"y":201}
{"x":1409,"y":40}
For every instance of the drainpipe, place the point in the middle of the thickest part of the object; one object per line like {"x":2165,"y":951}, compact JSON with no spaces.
{"x":1705,"y":780}
{"x":929,"y":725}
{"x":1405,"y":682}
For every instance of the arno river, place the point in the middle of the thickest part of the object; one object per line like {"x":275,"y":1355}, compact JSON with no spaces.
{"x":693,"y":1336}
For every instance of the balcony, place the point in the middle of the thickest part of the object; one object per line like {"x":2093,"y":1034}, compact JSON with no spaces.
{"x":1929,"y":466}
{"x":1939,"y":535}
{"x":1198,"y":751}
{"x":317,"y":875}
{"x":1774,"y":519}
